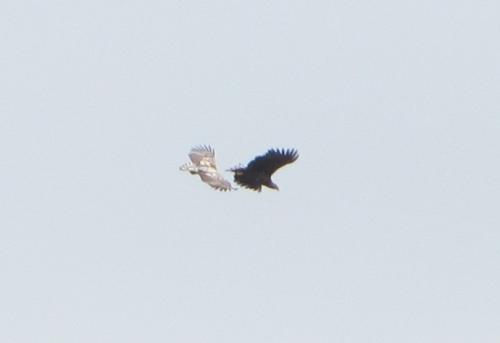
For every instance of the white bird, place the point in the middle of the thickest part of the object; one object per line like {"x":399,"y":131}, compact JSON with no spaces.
{"x":204,"y":165}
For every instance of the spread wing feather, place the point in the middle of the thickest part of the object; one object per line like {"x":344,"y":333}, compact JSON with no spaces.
{"x":203,"y":155}
{"x":272,"y":161}
{"x":216,"y":181}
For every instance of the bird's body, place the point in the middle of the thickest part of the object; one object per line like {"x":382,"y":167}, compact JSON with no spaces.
{"x":258,"y":172}
{"x":204,"y":165}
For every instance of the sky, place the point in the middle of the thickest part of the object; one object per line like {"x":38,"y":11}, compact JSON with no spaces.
{"x":386,"y":229}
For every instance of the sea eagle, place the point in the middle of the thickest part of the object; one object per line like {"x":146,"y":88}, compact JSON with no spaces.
{"x":258,"y":172}
{"x":203,"y":164}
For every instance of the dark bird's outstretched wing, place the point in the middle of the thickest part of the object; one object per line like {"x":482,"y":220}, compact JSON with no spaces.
{"x":272,"y":161}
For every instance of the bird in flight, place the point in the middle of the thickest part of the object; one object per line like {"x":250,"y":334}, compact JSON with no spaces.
{"x":204,"y":165}
{"x":258,"y":172}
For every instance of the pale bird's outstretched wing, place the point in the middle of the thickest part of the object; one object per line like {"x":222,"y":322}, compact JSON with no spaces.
{"x":216,"y":180}
{"x":203,"y":155}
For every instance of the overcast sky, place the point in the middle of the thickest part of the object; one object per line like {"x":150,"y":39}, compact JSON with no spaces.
{"x":385,"y":230}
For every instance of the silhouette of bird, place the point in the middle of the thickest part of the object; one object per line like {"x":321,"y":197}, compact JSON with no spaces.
{"x":258,"y":172}
{"x":204,"y":165}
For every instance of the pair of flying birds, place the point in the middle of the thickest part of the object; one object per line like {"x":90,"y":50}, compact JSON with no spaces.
{"x":255,"y":175}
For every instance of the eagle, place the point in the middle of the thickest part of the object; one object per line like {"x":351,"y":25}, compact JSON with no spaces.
{"x":203,"y":164}
{"x":258,"y":172}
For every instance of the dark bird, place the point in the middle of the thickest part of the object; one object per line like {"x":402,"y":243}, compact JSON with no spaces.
{"x":258,"y":172}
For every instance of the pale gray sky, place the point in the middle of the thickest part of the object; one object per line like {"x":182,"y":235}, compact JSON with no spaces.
{"x":385,"y":230}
